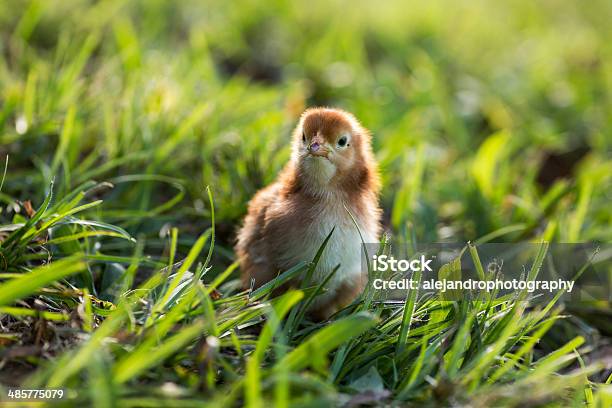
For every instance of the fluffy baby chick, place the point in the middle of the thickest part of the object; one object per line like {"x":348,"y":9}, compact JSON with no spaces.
{"x":331,"y":169}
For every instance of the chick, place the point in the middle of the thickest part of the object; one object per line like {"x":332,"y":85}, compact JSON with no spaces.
{"x":331,"y":169}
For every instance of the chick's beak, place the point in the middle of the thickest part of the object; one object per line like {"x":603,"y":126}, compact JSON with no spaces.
{"x":317,"y":147}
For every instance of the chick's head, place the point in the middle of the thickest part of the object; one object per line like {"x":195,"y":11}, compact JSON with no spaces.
{"x":329,"y":144}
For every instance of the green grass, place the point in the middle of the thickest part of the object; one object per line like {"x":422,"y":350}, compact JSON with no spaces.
{"x":120,"y":283}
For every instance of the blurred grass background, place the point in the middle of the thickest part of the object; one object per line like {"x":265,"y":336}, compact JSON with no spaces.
{"x":485,"y":116}
{"x":491,"y":120}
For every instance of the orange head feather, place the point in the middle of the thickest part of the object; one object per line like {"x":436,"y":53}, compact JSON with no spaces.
{"x":332,"y":151}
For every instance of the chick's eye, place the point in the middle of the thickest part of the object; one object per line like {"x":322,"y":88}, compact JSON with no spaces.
{"x":342,"y":141}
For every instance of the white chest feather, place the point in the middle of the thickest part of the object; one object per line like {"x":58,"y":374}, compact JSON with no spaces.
{"x":343,"y":249}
